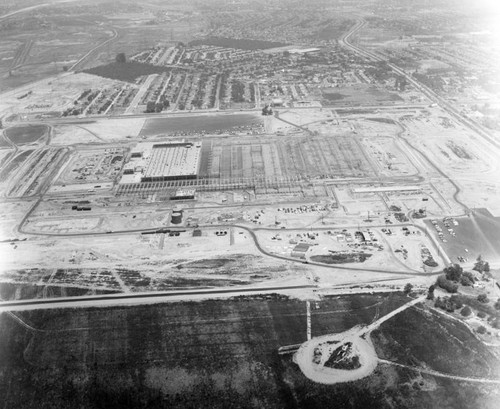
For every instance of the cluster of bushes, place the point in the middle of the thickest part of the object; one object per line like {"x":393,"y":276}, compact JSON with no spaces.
{"x":152,"y":106}
{"x":453,"y":275}
{"x":238,"y":91}
{"x":481,"y":266}
{"x":467,"y":305}
{"x":401,"y":217}
{"x":448,"y":285}
{"x":449,"y":304}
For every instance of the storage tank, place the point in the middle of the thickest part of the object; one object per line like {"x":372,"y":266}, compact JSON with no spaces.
{"x":176,"y":217}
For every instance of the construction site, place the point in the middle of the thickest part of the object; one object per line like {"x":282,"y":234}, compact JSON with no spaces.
{"x":249,"y":204}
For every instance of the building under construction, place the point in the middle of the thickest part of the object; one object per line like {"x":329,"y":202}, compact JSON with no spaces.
{"x":160,"y":162}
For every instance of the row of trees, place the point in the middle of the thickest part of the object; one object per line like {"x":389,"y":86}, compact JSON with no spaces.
{"x":153,"y":106}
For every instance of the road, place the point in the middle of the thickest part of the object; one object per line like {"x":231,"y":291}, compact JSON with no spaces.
{"x":340,"y":108}
{"x":434,"y":97}
{"x":380,"y":321}
{"x":441,"y":374}
{"x":31,"y":8}
{"x":251,"y":232}
{"x":153,"y":297}
{"x":93,"y":50}
{"x":344,"y":41}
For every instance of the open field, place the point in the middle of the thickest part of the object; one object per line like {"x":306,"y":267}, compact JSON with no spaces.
{"x":23,"y":135}
{"x":226,"y":353}
{"x":192,"y":124}
{"x":243,"y":44}
{"x":358,"y":95}
{"x":128,"y":71}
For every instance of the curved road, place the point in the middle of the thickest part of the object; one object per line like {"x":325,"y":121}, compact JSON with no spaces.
{"x":89,"y":53}
{"x":344,"y":41}
{"x":251,"y":232}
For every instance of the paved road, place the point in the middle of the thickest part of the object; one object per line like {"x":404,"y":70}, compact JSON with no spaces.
{"x":122,"y":299}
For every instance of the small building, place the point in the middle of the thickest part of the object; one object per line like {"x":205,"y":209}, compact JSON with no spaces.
{"x":197,"y":233}
{"x":300,"y":250}
{"x":184,"y":194}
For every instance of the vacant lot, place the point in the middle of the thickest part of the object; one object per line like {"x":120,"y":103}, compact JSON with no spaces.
{"x":128,"y":71}
{"x":224,"y":353}
{"x":358,"y":95}
{"x":452,"y":348}
{"x":200,"y":123}
{"x":238,"y":43}
{"x":213,"y":354}
{"x":22,"y":135}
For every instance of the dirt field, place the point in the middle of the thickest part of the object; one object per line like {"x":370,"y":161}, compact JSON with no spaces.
{"x":23,"y":135}
{"x":224,"y":353}
{"x":358,"y":95}
{"x":186,"y":125}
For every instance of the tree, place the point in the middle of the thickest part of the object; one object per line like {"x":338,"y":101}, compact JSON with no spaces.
{"x":453,"y":272}
{"x":481,"y":265}
{"x":481,"y":330}
{"x":457,"y":301}
{"x":408,"y":288}
{"x":150,"y":106}
{"x":430,"y":293}
{"x":497,"y":304}
{"x":446,"y":284}
{"x":482,"y":298}
{"x":467,"y":279}
{"x":466,"y":311}
{"x":120,"y":58}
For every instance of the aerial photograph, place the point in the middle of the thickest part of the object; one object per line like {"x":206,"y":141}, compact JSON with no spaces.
{"x":249,"y":204}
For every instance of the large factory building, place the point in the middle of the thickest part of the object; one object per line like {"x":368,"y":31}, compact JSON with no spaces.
{"x":162,"y":161}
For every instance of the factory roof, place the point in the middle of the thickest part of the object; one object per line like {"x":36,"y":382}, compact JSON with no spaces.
{"x":173,"y":160}
{"x":151,"y":160}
